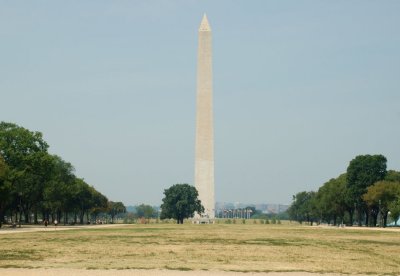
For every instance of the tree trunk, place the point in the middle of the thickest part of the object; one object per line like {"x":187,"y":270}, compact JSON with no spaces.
{"x":385,"y":219}
{"x":351,"y":217}
{"x":59,"y":216}
{"x":366,"y":218}
{"x":26,"y":218}
{"x":374,"y":218}
{"x":1,"y":217}
{"x":81,"y":215}
{"x":35,"y":217}
{"x":20,"y":218}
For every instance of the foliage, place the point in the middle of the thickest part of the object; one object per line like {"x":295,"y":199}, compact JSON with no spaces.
{"x":33,"y":182}
{"x":5,"y":187}
{"x":362,"y":172}
{"x":303,"y":207}
{"x":366,"y":187}
{"x":180,"y":202}
{"x":145,"y":211}
{"x":394,"y":208}
{"x":381,"y":195}
{"x":115,"y":208}
{"x":393,"y":176}
{"x":331,"y":199}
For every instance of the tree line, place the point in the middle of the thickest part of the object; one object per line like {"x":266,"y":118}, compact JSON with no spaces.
{"x":366,"y":194}
{"x":35,"y":184}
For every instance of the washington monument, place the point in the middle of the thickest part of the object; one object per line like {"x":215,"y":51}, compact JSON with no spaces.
{"x":204,"y":163}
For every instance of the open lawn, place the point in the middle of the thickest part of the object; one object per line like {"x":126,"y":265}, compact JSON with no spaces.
{"x":224,"y":247}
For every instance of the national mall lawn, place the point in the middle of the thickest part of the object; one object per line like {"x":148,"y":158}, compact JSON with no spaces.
{"x":250,"y":247}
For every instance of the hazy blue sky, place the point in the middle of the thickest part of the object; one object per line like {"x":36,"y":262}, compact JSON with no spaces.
{"x":300,"y":88}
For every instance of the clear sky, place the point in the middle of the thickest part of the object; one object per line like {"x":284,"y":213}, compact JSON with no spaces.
{"x":300,"y":89}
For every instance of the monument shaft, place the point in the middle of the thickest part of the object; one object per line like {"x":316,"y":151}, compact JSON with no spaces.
{"x":204,"y":163}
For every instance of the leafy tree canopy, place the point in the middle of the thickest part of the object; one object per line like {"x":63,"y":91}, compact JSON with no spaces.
{"x":115,"y":208}
{"x":33,"y":182}
{"x":180,"y":202}
{"x":363,"y":171}
{"x":303,"y":207}
{"x":17,"y":144}
{"x":393,"y":176}
{"x":332,"y":198}
{"x":5,"y":187}
{"x":145,"y":211}
{"x":382,"y":193}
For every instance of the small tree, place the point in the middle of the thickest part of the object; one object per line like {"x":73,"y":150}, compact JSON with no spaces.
{"x":145,"y":211}
{"x":362,"y":172}
{"x":180,"y":202}
{"x":303,"y":207}
{"x":115,"y":208}
{"x":5,"y":188}
{"x":380,"y":196}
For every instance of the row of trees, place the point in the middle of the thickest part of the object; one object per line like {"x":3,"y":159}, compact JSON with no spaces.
{"x":366,"y":192}
{"x":36,"y":184}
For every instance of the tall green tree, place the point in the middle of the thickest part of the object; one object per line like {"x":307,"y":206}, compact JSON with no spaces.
{"x":33,"y":181}
{"x":180,"y":202}
{"x":59,"y":189}
{"x":100,"y":204}
{"x":115,"y":208}
{"x":145,"y":211}
{"x":304,"y":207}
{"x":362,"y":172}
{"x":22,"y":151}
{"x":5,"y":188}
{"x":379,"y":197}
{"x":332,"y":199}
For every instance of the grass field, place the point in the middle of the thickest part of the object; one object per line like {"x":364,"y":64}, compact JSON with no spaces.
{"x":229,"y":247}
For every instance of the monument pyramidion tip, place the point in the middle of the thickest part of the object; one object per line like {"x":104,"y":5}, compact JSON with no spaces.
{"x":204,"y":25}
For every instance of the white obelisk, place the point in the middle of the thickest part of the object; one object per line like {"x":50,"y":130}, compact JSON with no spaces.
{"x":204,"y":163}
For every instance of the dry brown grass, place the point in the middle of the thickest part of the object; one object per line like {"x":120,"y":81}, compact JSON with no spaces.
{"x":233,"y":247}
